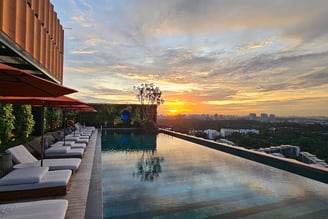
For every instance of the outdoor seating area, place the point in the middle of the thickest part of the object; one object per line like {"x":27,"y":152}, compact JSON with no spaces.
{"x":28,"y":184}
{"x":61,"y":144}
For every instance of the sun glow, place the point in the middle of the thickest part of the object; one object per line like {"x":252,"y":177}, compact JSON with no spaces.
{"x":172,"y":111}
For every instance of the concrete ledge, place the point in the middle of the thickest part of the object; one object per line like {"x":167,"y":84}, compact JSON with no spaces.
{"x":294,"y":166}
{"x":78,"y":194}
{"x":94,"y":208}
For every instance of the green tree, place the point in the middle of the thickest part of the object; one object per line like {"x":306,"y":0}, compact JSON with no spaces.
{"x":24,"y":121}
{"x":6,"y":122}
{"x":148,"y":94}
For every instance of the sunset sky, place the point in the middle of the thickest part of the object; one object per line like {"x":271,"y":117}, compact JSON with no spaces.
{"x":207,"y":56}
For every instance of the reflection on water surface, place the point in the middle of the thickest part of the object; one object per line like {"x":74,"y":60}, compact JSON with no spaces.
{"x":181,"y":179}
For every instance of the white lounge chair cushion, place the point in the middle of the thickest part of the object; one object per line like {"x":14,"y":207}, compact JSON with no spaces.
{"x":83,"y":140}
{"x":61,"y":143}
{"x":79,"y":145}
{"x":85,"y":133}
{"x":24,"y":176}
{"x":71,"y":144}
{"x":84,"y":137}
{"x":54,"y":164}
{"x":49,"y":209}
{"x":80,"y":134}
{"x":21,"y":155}
{"x":58,"y":178}
{"x":71,"y":138}
{"x":58,"y":149}
{"x":77,"y":139}
{"x":72,"y":152}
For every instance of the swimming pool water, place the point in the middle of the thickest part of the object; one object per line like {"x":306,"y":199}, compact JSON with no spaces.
{"x":160,"y":176}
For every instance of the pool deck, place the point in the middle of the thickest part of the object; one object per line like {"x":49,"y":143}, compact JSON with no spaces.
{"x":85,"y":194}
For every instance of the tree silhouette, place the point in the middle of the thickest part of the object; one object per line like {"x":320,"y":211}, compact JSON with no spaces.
{"x":148,"y":169}
{"x":148,"y":94}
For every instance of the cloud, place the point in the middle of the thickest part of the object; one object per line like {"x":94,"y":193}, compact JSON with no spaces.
{"x":141,"y":20}
{"x":192,"y":16}
{"x":202,"y":95}
{"x":276,"y":71}
{"x":105,"y":91}
{"x":312,"y":26}
{"x":81,"y":52}
{"x":81,"y":21}
{"x":255,"y":45}
{"x":115,"y":67}
{"x":198,"y":51}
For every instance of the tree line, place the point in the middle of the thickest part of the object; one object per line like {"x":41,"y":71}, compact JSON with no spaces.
{"x":312,"y":138}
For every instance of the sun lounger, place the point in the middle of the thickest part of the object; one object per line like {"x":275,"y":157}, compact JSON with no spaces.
{"x":80,"y":127}
{"x":64,"y":152}
{"x":23,"y":158}
{"x":49,"y":209}
{"x":34,"y":182}
{"x":79,"y":136}
{"x":84,"y":134}
{"x":84,"y":137}
{"x":72,"y":144}
{"x":77,"y":139}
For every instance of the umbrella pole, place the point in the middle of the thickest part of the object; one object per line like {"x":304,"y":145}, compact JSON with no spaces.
{"x":74,"y":131}
{"x":64,"y":125}
{"x":64,"y":132}
{"x":42,"y":132}
{"x":74,"y":127}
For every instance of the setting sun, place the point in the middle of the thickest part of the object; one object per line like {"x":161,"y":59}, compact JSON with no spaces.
{"x":172,"y":111}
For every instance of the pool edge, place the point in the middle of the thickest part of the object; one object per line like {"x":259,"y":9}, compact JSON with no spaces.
{"x":94,"y":206}
{"x":312,"y":172}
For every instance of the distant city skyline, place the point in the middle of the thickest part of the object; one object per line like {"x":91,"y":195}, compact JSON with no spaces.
{"x":212,"y":56}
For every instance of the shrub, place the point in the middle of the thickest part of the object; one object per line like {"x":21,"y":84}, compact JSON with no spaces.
{"x":148,"y":124}
{"x":6,"y":122}
{"x":24,"y":121}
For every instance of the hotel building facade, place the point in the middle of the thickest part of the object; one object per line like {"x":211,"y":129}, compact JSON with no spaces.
{"x":32,"y":38}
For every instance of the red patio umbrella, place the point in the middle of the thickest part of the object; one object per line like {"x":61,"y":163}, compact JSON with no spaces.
{"x":41,"y":102}
{"x":88,"y":110}
{"x":15,"y":82}
{"x":79,"y":108}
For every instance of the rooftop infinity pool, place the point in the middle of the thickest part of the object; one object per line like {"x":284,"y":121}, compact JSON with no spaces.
{"x":160,"y":176}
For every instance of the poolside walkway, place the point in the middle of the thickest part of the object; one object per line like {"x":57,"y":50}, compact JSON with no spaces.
{"x":77,"y":196}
